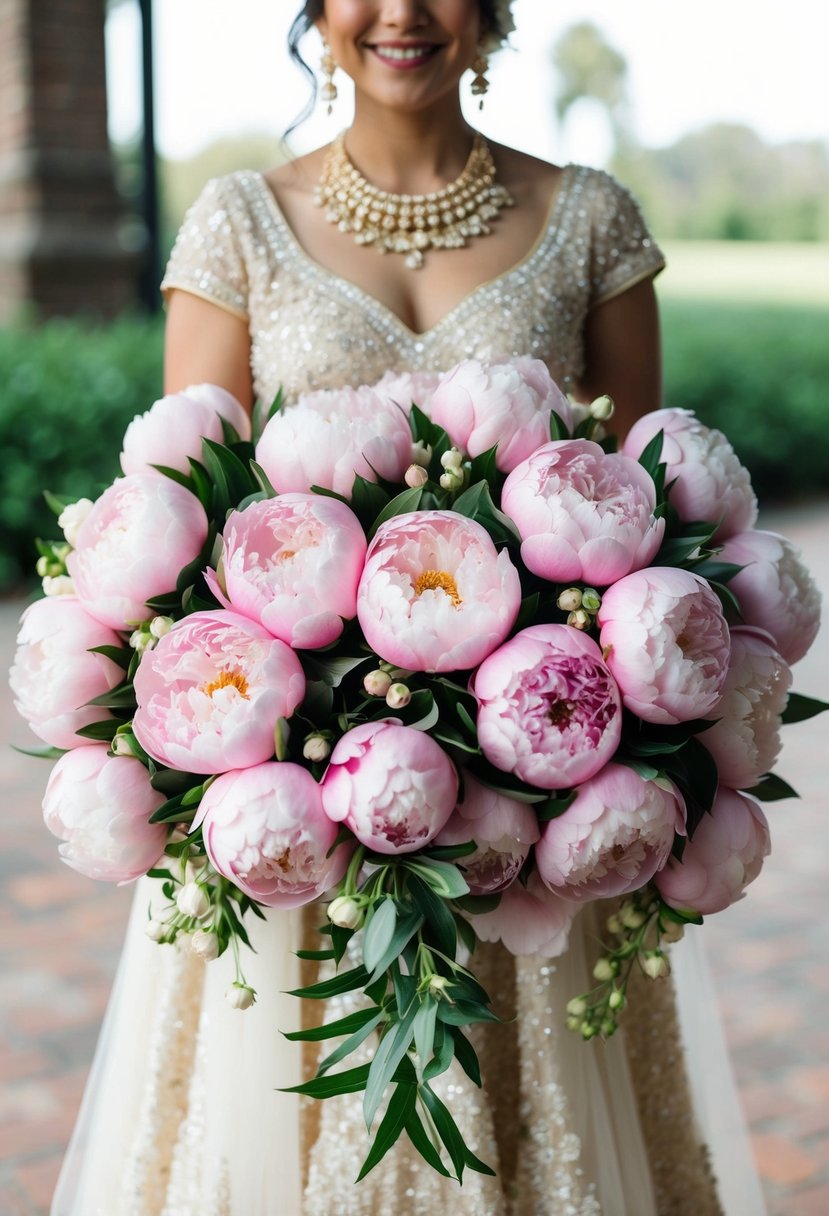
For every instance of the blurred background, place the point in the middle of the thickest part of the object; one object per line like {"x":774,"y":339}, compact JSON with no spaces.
{"x":112,"y":118}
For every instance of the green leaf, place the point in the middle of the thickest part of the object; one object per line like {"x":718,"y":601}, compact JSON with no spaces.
{"x":800,"y":708}
{"x":367,"y":499}
{"x":315,"y":956}
{"x":466,"y":1055}
{"x":393,"y":1046}
{"x":40,"y":753}
{"x":402,"y":504}
{"x":116,"y":654}
{"x":379,"y":932}
{"x":56,"y":502}
{"x":101,"y":732}
{"x":401,"y":1106}
{"x":424,"y":1030}
{"x":772,"y":788}
{"x":352,"y":1042}
{"x":422,"y":712}
{"x":231,"y":476}
{"x":528,"y":612}
{"x":262,"y":479}
{"x":407,"y":924}
{"x":422,"y":1143}
{"x":437,"y":915}
{"x":442,"y":877}
{"x":169,"y":811}
{"x":332,"y":1030}
{"x":551,"y":808}
{"x":338,"y":984}
{"x":714,"y":571}
{"x":333,"y":670}
{"x":558,"y":430}
{"x":651,"y":456}
{"x":122,"y":697}
{"x":446,"y":1128}
{"x":444,"y":1052}
{"x":349,"y":1082}
{"x":476,"y":503}
{"x":475,"y":905}
{"x":484,"y":468}
{"x":465,"y":1013}
{"x":449,"y":852}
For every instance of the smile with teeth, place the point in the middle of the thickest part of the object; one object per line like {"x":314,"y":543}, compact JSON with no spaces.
{"x":400,"y":54}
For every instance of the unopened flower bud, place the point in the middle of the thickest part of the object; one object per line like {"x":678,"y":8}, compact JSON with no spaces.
{"x":43,"y":566}
{"x":616,"y":1000}
{"x":438,"y":986}
{"x":604,"y":970}
{"x":577,"y":1008}
{"x":160,"y":626}
{"x":631,"y":917}
{"x":569,"y":600}
{"x":239,"y":996}
{"x":345,"y":912}
{"x":579,"y":619}
{"x":71,"y":518}
{"x":573,"y":1022}
{"x":316,"y":748}
{"x":141,"y":640}
{"x":377,"y":683}
{"x":451,"y":460}
{"x":673,"y":931}
{"x":60,"y":584}
{"x":588,"y":1030}
{"x":415,"y":476}
{"x":192,"y":900}
{"x":281,"y":735}
{"x":205,"y":945}
{"x":602,"y":408}
{"x":614,"y":925}
{"x":655,"y":965}
{"x":194,"y":870}
{"x":121,"y":745}
{"x":398,"y":696}
{"x":421,"y":453}
{"x":591,"y":601}
{"x":156,"y":930}
{"x":608,"y":1027}
{"x":451,"y":480}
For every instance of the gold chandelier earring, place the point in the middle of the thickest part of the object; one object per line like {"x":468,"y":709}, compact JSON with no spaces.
{"x":328,"y":66}
{"x":480,"y":84}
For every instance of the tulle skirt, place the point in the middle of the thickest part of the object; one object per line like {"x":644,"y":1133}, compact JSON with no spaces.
{"x":183,"y":1114}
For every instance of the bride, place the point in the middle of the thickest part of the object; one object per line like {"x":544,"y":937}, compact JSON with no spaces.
{"x":182,"y":1115}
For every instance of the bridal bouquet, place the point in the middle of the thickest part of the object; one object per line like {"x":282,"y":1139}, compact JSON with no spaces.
{"x":436,"y":653}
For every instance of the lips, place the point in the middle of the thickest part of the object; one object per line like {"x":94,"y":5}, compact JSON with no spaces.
{"x":404,"y":55}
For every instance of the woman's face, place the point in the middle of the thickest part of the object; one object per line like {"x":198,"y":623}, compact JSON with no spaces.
{"x":403,"y":53}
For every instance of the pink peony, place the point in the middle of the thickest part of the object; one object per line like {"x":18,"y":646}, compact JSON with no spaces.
{"x":583,"y":514}
{"x":612,"y":838}
{"x":506,"y":402}
{"x":776,"y":591}
{"x":211,"y":692}
{"x":503,"y":830}
{"x":54,"y":674}
{"x":550,"y":711}
{"x":265,"y":829}
{"x":725,"y":855}
{"x":435,"y":594}
{"x":745,"y":739}
{"x":173,"y":428}
{"x":711,"y":484}
{"x":665,"y":639}
{"x":529,"y":920}
{"x":99,"y":807}
{"x":394,"y":786}
{"x":293,"y":563}
{"x":139,"y":535}
{"x":329,"y":436}
{"x":405,"y":389}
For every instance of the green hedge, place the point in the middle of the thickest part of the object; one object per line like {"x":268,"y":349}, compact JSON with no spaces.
{"x":68,"y":390}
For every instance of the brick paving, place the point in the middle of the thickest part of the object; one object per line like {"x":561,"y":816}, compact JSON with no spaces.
{"x":60,"y":936}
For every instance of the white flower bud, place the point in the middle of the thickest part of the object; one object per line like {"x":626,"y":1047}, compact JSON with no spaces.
{"x":192,"y":900}
{"x":631,"y":917}
{"x":569,"y":600}
{"x":71,"y":518}
{"x":451,"y":480}
{"x":451,"y":460}
{"x":239,"y":996}
{"x":205,"y":945}
{"x":156,"y":930}
{"x":160,"y":626}
{"x":43,"y":564}
{"x":438,"y":986}
{"x":121,"y":746}
{"x":421,"y":453}
{"x":398,"y":696}
{"x":193,"y":870}
{"x":579,"y":619}
{"x":673,"y":931}
{"x":616,"y":1000}
{"x":588,"y":1030}
{"x":141,"y":640}
{"x":415,"y":476}
{"x":60,"y":584}
{"x":614,"y":925}
{"x":604,"y":970}
{"x":316,"y":748}
{"x":655,"y":965}
{"x":602,"y":408}
{"x":345,"y":912}
{"x":577,"y":1008}
{"x":591,"y":601}
{"x":377,"y":683}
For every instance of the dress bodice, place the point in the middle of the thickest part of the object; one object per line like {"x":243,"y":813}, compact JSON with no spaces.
{"x":313,"y":329}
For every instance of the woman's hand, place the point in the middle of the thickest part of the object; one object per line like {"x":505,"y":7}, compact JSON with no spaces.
{"x":205,"y":344}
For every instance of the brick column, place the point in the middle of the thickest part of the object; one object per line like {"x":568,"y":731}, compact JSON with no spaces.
{"x":60,"y":214}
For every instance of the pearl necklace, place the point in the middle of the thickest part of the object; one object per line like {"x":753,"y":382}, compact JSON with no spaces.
{"x":410,"y":224}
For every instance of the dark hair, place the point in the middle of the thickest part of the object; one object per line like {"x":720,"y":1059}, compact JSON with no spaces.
{"x":310,"y":13}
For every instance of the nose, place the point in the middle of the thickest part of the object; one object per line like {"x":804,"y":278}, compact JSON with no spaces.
{"x":404,"y":14}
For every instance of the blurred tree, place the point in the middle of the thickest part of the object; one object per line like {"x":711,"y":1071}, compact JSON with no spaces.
{"x":588,"y":67}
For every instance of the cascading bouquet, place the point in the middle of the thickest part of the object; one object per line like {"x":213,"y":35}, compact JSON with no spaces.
{"x":456,"y":667}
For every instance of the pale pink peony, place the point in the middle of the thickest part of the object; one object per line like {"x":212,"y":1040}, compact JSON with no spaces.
{"x":614,"y":836}
{"x":435,"y":594}
{"x":529,"y":920}
{"x":506,"y":402}
{"x":265,"y":829}
{"x":211,"y":692}
{"x":394,"y":786}
{"x":503,"y":829}
{"x":666,"y":641}
{"x":725,"y":855}
{"x":54,"y":673}
{"x":405,"y":389}
{"x":711,"y":483}
{"x":583,"y":514}
{"x":549,"y":709}
{"x":173,"y":428}
{"x":139,"y":535}
{"x":775,"y":590}
{"x":745,"y":738}
{"x":329,"y":436}
{"x":293,"y":563}
{"x":99,"y":806}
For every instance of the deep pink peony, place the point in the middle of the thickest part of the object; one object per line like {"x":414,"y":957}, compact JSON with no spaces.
{"x":503,"y":829}
{"x":776,"y":591}
{"x":583,"y":514}
{"x":394,"y":786}
{"x":293,"y":563}
{"x":506,"y":402}
{"x":613,"y":837}
{"x":329,"y":436}
{"x":210,"y":693}
{"x":99,"y":806}
{"x":665,"y":639}
{"x":139,"y":535}
{"x":711,"y":484}
{"x":54,"y":674}
{"x":550,"y":711}
{"x":405,"y":389}
{"x":725,"y":855}
{"x":173,"y":428}
{"x":265,"y":830}
{"x":529,"y":920}
{"x":435,"y":594}
{"x":745,"y":738}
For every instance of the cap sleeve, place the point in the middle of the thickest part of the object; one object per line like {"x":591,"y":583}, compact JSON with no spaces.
{"x":623,"y":252}
{"x":207,"y":258}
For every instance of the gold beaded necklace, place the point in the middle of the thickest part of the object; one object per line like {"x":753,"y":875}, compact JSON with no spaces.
{"x":410,"y":224}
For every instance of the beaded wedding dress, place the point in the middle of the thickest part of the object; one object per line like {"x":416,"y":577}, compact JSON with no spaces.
{"x":182,"y":1115}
